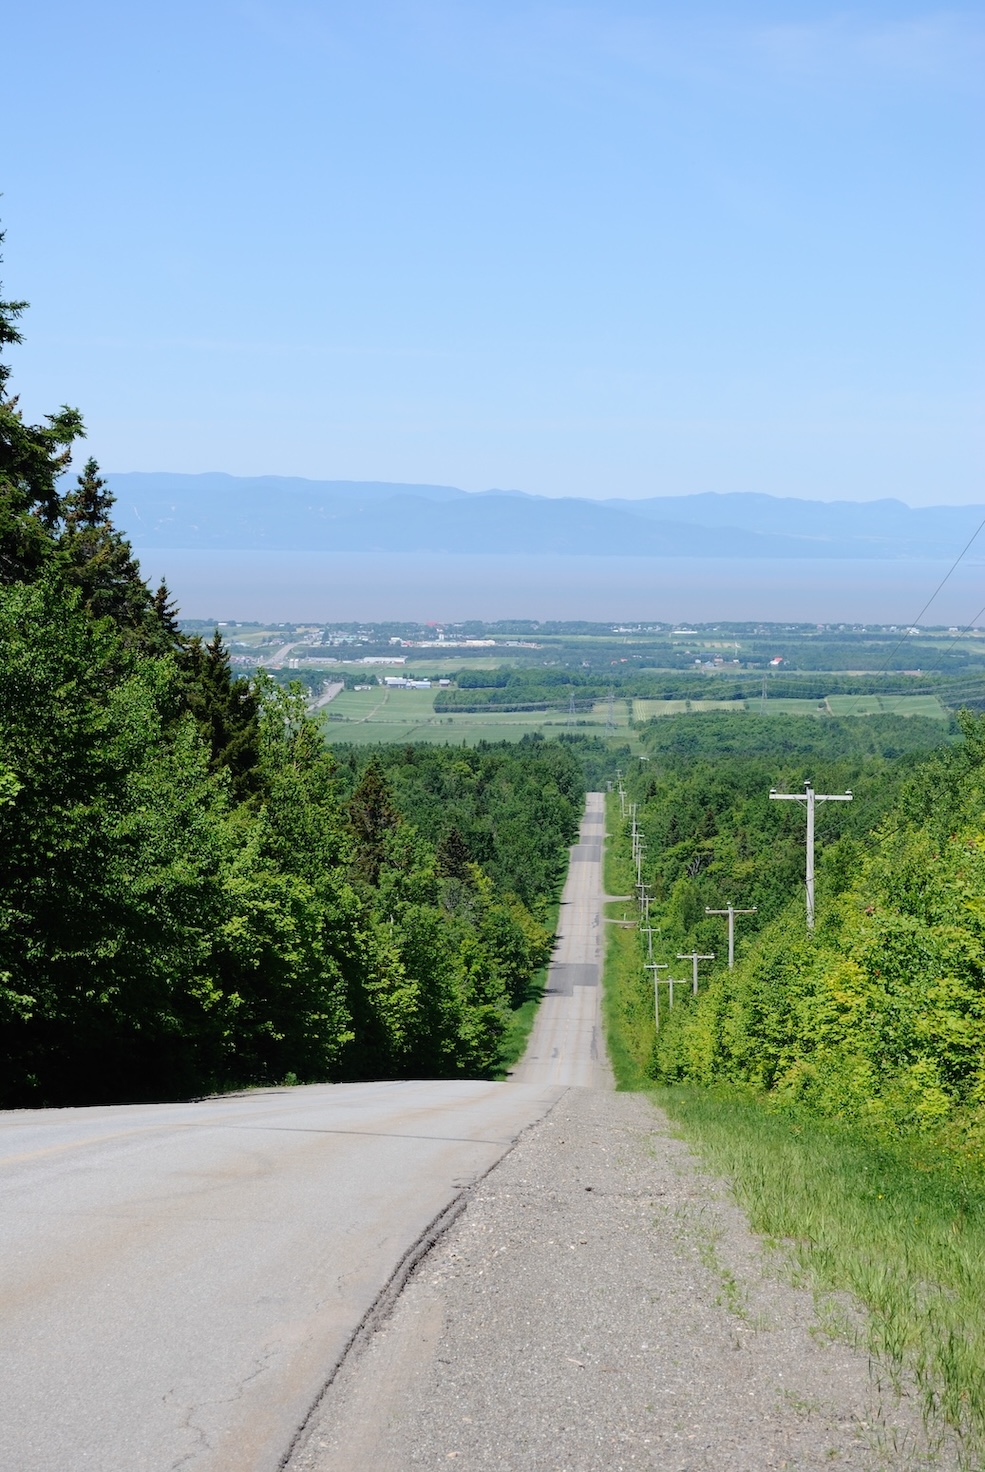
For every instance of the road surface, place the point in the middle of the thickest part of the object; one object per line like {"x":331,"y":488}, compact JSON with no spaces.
{"x":178,"y":1281}
{"x":566,"y":1044}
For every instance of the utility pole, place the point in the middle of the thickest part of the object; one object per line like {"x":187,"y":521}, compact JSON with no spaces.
{"x":656,"y":966}
{"x":810,"y":797}
{"x":610,"y":712}
{"x":694,"y":957}
{"x":648,"y":930}
{"x":731,"y":912}
{"x":571,"y":709}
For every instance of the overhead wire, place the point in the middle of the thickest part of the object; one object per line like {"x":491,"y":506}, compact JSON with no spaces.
{"x":914,"y":624}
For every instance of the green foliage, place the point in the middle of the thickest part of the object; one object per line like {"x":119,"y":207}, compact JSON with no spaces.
{"x":879,"y":1016}
{"x":900,"y":1229}
{"x":192,"y":894}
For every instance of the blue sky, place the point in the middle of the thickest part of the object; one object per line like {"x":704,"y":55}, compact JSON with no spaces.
{"x":572,"y":249}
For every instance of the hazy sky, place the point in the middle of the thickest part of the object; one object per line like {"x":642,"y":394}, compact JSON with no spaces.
{"x":592,"y":249}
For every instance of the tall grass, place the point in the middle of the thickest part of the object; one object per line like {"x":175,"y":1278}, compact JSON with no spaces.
{"x":899,"y":1225}
{"x":627,"y":997}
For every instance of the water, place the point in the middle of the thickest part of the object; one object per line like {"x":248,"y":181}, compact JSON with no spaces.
{"x":324,"y":587}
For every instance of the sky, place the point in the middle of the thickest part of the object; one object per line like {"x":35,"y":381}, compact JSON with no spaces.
{"x":573,"y":249}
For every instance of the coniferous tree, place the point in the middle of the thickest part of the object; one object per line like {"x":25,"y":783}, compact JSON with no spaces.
{"x":372,"y":818}
{"x":32,"y":457}
{"x":226,"y":710}
{"x":97,"y":559}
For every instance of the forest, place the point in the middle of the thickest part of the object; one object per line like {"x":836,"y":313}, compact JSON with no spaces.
{"x":194,"y":894}
{"x":877,"y":1017}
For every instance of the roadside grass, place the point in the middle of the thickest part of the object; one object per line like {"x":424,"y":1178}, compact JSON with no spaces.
{"x":627,"y":1005}
{"x":521,"y":1021}
{"x":520,"y":1026}
{"x":897,"y":1224}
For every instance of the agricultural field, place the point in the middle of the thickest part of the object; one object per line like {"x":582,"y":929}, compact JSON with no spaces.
{"x":648,"y":710}
{"x":385,"y":715}
{"x":887,"y":705}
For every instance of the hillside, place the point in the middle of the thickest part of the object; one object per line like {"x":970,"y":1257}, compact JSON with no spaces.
{"x":282,"y":513}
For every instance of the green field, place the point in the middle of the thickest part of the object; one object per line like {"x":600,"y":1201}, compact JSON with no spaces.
{"x":887,"y":705}
{"x":380,"y":714}
{"x":836,"y":705}
{"x":647,"y":710}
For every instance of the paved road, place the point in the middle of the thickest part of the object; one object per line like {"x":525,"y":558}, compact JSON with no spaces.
{"x":177,"y":1281}
{"x":566,"y":1045}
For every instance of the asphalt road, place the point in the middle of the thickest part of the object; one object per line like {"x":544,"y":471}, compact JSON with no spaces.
{"x":179,"y":1281}
{"x":566,"y":1045}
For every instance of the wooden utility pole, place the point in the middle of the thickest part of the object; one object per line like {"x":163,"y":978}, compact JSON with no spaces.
{"x":731,"y":912}
{"x":656,"y":966}
{"x":694,"y":957}
{"x":810,"y":797}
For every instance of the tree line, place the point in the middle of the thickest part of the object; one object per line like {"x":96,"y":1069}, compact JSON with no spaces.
{"x":878,"y":1017}
{"x":534,"y":688}
{"x":194,"y":894}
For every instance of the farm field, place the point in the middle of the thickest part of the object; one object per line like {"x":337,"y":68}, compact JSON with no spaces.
{"x":836,"y":705}
{"x":384,"y":715}
{"x":648,"y":710}
{"x":887,"y":705}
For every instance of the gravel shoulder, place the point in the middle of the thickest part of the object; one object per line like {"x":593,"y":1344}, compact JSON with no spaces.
{"x":602,"y":1304}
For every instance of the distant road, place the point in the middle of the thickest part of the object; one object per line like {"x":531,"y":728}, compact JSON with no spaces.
{"x":178,"y":1281}
{"x":566,"y":1045}
{"x":277,"y":659}
{"x":329,"y":693}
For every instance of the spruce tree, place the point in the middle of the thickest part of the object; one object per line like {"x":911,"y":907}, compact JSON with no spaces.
{"x":32,"y":457}
{"x":97,"y":559}
{"x":226,"y":710}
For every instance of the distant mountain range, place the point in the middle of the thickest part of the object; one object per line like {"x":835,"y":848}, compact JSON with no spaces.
{"x":284,"y":513}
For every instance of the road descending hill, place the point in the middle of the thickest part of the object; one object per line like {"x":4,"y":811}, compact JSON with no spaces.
{"x":209,"y":1286}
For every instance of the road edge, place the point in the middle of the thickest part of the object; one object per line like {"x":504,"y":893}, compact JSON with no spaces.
{"x":388,"y":1297}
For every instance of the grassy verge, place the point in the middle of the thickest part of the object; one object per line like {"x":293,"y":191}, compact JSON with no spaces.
{"x":898,"y":1225}
{"x":520,"y":1025}
{"x":627,"y":997}
{"x":900,"y":1229}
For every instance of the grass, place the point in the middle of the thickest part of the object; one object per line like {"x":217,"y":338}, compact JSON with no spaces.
{"x":627,"y":996}
{"x":899,"y":1225}
{"x":887,"y":705}
{"x":514,"y":1041}
{"x":646,"y":710}
{"x":382,"y":715}
{"x":520,"y":1026}
{"x":836,"y":705}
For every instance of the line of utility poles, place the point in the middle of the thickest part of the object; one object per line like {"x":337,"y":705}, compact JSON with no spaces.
{"x":694,"y":957}
{"x":810,"y":797}
{"x":656,"y":966}
{"x":731,"y":912}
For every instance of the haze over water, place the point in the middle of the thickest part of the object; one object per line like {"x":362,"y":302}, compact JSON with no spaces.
{"x":323,"y":587}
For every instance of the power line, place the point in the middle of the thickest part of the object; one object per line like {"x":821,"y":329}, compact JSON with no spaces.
{"x":914,"y":623}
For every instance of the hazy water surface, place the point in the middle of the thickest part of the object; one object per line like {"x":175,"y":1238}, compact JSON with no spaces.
{"x":324,"y":587}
